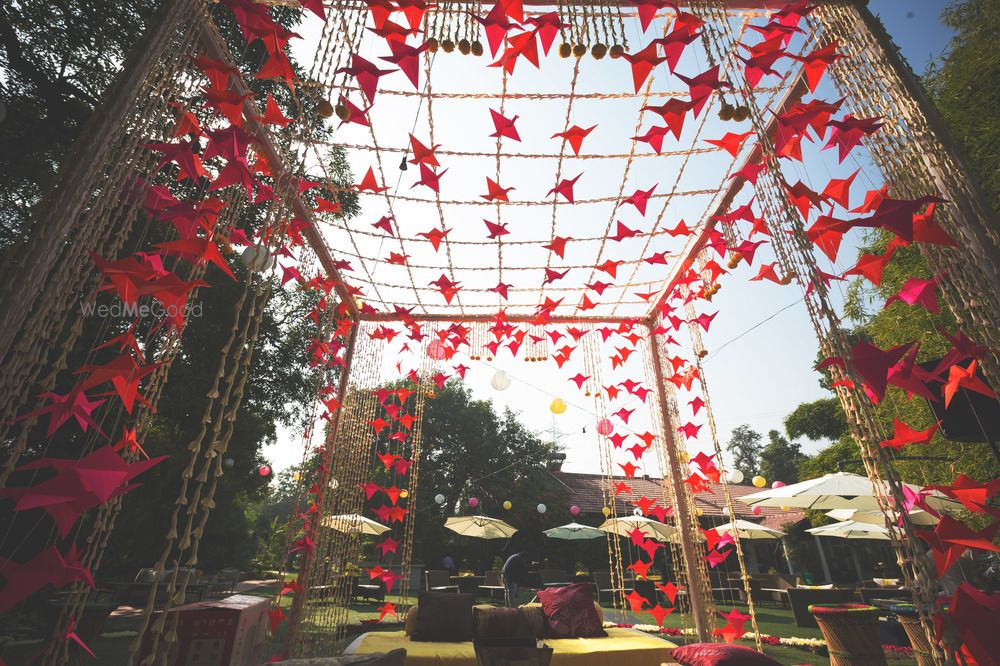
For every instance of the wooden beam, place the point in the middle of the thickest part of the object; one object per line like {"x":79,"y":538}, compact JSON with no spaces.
{"x":281,"y":174}
{"x":793,"y":95}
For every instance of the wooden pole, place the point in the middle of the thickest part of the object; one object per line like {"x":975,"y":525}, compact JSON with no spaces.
{"x":681,"y":508}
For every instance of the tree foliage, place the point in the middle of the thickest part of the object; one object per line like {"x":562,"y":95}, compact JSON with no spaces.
{"x":745,"y":447}
{"x":817,"y":420}
{"x":780,"y":458}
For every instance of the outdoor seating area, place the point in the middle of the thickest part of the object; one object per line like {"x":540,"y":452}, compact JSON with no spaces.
{"x":499,"y":333}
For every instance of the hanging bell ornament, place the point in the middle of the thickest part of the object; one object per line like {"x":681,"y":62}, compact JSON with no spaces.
{"x":702,"y":353}
{"x":726,"y":112}
{"x":477,"y":48}
{"x":324,"y":109}
{"x":616,"y":51}
{"x":741,"y":113}
{"x":580,"y":50}
{"x":447,"y":46}
{"x":598,"y":51}
{"x":734,"y":259}
{"x":432,"y":45}
{"x":565,"y":50}
{"x":341,"y":111}
{"x":464,"y":46}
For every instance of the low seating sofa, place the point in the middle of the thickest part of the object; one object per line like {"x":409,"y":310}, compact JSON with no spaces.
{"x":620,"y":646}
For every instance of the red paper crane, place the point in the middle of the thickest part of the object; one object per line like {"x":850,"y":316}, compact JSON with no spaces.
{"x":674,"y":44}
{"x":673,"y":112}
{"x":917,"y":291}
{"x":49,"y":567}
{"x":407,"y":58}
{"x":504,"y":126}
{"x":496,"y":25}
{"x":731,"y":143}
{"x":639,"y":199}
{"x":422,"y":154}
{"x":959,"y":377}
{"x":547,"y":26}
{"x":972,"y":494}
{"x":495,"y":230}
{"x":369,"y":184}
{"x":62,"y":407}
{"x":124,"y":374}
{"x":873,"y":364}
{"x":429,"y":178}
{"x":904,"y":434}
{"x":495,"y":192}
{"x":847,"y":133}
{"x":575,"y":135}
{"x":366,"y":74}
{"x":816,"y":61}
{"x":643,"y":62}
{"x":654,"y":137}
{"x":565,"y":188}
{"x":354,"y":114}
{"x":702,"y":86}
{"x":180,"y":153}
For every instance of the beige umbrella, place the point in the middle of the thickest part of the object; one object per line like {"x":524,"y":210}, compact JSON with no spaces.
{"x":749,"y":530}
{"x":840,"y":490}
{"x":917,"y":516}
{"x":651,"y":528}
{"x":352,"y":523}
{"x":852,"y":529}
{"x":480,"y":527}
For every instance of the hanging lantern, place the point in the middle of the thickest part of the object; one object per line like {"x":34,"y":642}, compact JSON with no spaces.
{"x":558,"y":406}
{"x":786,"y":508}
{"x":333,"y":484}
{"x":403,"y":494}
{"x":758,"y":481}
{"x":637,"y":512}
{"x":500,"y":381}
{"x":734,"y":476}
{"x":699,"y":512}
{"x":757,"y":510}
{"x":264,"y":470}
{"x":228,"y":463}
{"x":778,"y":484}
{"x":507,"y":505}
{"x":574,"y":510}
{"x":257,"y":258}
{"x":439,"y":498}
{"x":725,"y":511}
{"x":296,"y":476}
{"x":473,"y":502}
{"x":542,"y":508}
{"x":436,"y":350}
{"x":606,"y":511}
{"x":605,"y":427}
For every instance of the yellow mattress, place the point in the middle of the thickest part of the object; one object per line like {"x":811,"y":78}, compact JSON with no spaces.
{"x":622,"y":646}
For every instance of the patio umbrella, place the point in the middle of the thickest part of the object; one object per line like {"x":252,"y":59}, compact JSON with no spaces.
{"x":852,"y":529}
{"x":352,"y":523}
{"x":840,"y":490}
{"x":651,"y":528}
{"x":480,"y":527}
{"x":917,"y":516}
{"x":749,"y":530}
{"x":573,"y":532}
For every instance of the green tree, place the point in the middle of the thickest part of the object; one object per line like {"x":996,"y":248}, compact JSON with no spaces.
{"x":745,"y":447}
{"x":780,"y":459}
{"x":817,"y":420}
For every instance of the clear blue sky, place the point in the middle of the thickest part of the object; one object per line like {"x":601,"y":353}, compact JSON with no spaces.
{"x":754,"y":377}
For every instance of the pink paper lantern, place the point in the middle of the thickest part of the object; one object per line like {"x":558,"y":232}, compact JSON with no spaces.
{"x":757,"y":511}
{"x":574,"y":510}
{"x":264,"y":470}
{"x":778,"y":484}
{"x":473,"y":502}
{"x":436,"y":350}
{"x":605,"y":427}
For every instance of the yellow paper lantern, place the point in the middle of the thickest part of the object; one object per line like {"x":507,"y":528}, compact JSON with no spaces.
{"x":758,"y":481}
{"x":785,"y":508}
{"x":404,"y":493}
{"x":606,"y":511}
{"x":296,"y":476}
{"x":699,"y":512}
{"x":558,"y":406}
{"x":507,"y":505}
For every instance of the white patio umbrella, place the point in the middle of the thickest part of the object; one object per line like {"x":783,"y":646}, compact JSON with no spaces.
{"x":480,"y":527}
{"x":749,"y":530}
{"x":840,"y":490}
{"x":573,"y":532}
{"x":917,"y":516}
{"x":852,"y":529}
{"x":651,"y":528}
{"x":352,"y":523}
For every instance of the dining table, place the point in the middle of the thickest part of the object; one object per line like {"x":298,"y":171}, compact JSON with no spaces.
{"x":468,"y":584}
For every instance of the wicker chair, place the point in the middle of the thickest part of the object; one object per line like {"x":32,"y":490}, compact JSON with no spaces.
{"x":438,"y":580}
{"x":492,"y":586}
{"x":907,"y":616}
{"x":602,"y":583}
{"x":851,"y":633}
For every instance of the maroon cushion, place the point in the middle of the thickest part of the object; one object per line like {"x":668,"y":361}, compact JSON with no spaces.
{"x":720,"y":654}
{"x":569,"y":611}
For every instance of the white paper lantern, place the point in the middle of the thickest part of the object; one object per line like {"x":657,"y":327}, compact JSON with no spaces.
{"x":734,"y":476}
{"x":542,"y":508}
{"x":257,"y":258}
{"x":439,"y":498}
{"x":500,"y":381}
{"x":333,"y":484}
{"x":637,"y":512}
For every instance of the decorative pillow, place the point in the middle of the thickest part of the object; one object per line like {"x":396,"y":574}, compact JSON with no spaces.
{"x":886,"y":582}
{"x":569,"y":611}
{"x":720,"y":654}
{"x":828,"y":586}
{"x":410,"y":623}
{"x":535,"y":617}
{"x":493,"y":622}
{"x":444,"y":617}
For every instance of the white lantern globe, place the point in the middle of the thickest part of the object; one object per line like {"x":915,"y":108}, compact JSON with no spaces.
{"x":500,"y":381}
